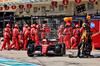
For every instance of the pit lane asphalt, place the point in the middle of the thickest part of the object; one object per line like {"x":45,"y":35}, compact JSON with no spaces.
{"x":52,"y":60}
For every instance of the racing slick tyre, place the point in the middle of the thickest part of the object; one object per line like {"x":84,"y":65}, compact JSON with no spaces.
{"x":60,"y":48}
{"x":30,"y":50}
{"x":87,"y":49}
{"x":63,"y":48}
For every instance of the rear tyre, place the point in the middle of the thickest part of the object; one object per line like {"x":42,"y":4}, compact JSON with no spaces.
{"x":87,"y":49}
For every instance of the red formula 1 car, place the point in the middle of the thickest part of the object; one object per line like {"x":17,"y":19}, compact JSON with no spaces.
{"x":46,"y":47}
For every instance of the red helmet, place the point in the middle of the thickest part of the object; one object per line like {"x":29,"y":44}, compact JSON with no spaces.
{"x":6,"y":30}
{"x":37,"y":26}
{"x":67,"y":24}
{"x":34,"y":25}
{"x":8,"y":25}
{"x":73,"y":39}
{"x":77,"y":26}
{"x":61,"y":26}
{"x":16,"y":26}
{"x":29,"y":28}
{"x":26,"y":25}
{"x":44,"y":25}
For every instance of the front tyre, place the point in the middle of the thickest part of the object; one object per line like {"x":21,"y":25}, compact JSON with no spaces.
{"x":30,"y":50}
{"x":60,"y":48}
{"x":63,"y":48}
